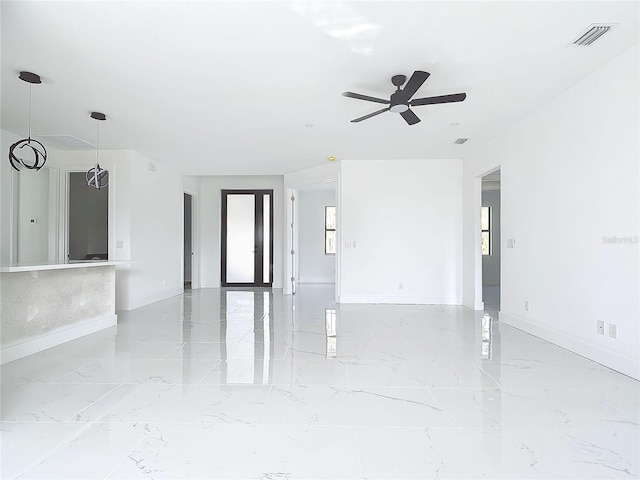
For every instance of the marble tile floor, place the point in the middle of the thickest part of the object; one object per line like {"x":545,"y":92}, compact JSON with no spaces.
{"x":256,"y":385}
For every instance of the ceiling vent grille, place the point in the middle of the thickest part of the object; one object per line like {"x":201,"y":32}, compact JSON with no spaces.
{"x":593,"y":33}
{"x":460,"y":141}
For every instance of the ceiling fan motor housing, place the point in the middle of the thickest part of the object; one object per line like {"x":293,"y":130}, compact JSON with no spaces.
{"x":399,"y":103}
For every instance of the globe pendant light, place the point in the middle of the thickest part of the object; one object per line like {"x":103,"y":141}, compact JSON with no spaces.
{"x":98,"y":177}
{"x":28,"y":153}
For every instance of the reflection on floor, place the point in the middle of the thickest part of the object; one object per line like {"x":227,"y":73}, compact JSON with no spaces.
{"x":491,"y":299}
{"x":252,"y":384}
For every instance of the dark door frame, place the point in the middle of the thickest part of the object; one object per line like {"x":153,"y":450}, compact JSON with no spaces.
{"x":187,"y":248}
{"x":259,"y":222}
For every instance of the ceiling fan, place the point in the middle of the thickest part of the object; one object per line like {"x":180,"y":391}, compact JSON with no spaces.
{"x":400,"y":101}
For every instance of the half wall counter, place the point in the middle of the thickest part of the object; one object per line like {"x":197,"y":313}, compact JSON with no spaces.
{"x":45,"y":305}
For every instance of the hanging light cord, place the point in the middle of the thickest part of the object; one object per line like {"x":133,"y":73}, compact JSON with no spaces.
{"x":97,"y":141}
{"x":30,"y":92}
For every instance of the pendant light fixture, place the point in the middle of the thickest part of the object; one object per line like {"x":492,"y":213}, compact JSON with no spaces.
{"x":98,"y":177}
{"x":28,"y":153}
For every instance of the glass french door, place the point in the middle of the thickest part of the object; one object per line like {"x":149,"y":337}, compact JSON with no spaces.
{"x":247,"y":238}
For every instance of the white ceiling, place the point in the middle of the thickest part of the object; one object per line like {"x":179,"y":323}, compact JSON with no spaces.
{"x":228,"y":87}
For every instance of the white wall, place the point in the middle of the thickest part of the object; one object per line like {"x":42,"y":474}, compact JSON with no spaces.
{"x":9,"y":201}
{"x":32,"y":216}
{"x":491,"y":263}
{"x":401,"y":223}
{"x":314,"y":265}
{"x":209,"y":217}
{"x":570,"y":176}
{"x":156,"y":232}
{"x":145,"y":223}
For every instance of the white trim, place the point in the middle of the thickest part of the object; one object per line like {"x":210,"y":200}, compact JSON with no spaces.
{"x":609,"y":358}
{"x":400,"y":300}
{"x":56,"y":337}
{"x":156,"y":297}
{"x":330,"y":279}
{"x":478,"y":306}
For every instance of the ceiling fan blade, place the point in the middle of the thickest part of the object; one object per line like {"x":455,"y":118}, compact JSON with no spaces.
{"x":370,"y":115}
{"x":410,"y":117}
{"x":365,"y":97}
{"x":414,"y":83}
{"x":456,"y":97}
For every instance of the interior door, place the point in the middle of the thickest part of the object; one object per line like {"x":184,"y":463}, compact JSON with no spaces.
{"x":247,"y":238}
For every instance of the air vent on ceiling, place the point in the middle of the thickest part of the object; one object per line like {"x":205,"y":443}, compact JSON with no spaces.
{"x":460,"y":141}
{"x":66,"y":142}
{"x":593,"y":33}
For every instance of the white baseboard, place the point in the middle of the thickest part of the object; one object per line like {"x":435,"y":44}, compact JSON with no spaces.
{"x":156,"y":297}
{"x":609,"y":358}
{"x":399,"y":299}
{"x":330,"y":279}
{"x":9,"y":353}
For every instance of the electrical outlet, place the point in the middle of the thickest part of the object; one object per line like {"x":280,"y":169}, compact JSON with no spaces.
{"x":613,"y":330}
{"x":400,"y":286}
{"x":601,"y":327}
{"x":526,"y":305}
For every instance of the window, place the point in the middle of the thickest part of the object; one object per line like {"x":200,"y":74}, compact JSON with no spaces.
{"x":330,"y":230}
{"x":485,"y":221}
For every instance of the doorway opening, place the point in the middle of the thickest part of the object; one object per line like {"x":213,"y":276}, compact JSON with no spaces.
{"x":88,"y":220}
{"x":316,"y":234}
{"x":188,"y":241}
{"x":247,"y":238}
{"x":491,"y":245}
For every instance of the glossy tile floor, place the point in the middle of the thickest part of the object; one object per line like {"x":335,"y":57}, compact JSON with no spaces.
{"x":244,"y":384}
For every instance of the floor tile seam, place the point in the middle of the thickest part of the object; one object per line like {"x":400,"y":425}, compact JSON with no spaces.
{"x":95,"y":401}
{"x":365,"y":388}
{"x":88,"y":424}
{"x":349,"y":425}
{"x":71,"y":370}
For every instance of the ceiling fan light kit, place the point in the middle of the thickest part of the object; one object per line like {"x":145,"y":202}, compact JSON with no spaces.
{"x":401,"y":102}
{"x":21,"y":150}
